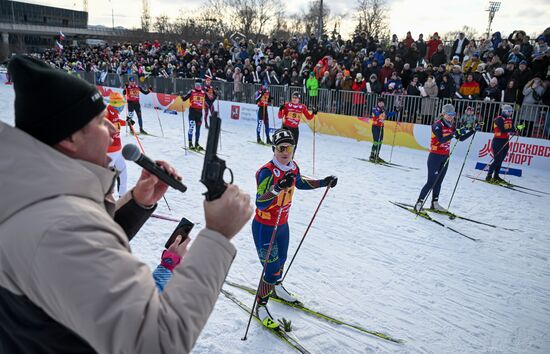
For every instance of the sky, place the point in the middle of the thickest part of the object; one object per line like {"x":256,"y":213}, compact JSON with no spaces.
{"x":418,"y":16}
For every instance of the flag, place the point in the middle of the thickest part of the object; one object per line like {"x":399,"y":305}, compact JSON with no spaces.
{"x":58,"y":46}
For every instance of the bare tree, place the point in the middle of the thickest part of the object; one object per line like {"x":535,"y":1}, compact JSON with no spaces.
{"x":372,"y":16}
{"x":162,"y":24}
{"x":469,"y":32}
{"x":252,"y":18}
{"x":145,"y":17}
{"x":311,"y":17}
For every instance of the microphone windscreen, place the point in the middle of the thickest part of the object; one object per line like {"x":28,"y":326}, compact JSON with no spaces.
{"x":131,"y":152}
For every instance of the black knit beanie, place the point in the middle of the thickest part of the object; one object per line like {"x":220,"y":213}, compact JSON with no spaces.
{"x":50,"y":104}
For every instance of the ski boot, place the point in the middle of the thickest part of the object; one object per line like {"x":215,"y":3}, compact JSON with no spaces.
{"x":259,"y":141}
{"x":499,"y":180}
{"x":380,"y":160}
{"x":489,"y":178}
{"x":265,"y":317}
{"x":191,"y":147}
{"x":418,"y":205}
{"x":198,"y":147}
{"x":372,"y":157}
{"x":281,"y":293}
{"x":437,"y":207}
{"x":142,"y":131}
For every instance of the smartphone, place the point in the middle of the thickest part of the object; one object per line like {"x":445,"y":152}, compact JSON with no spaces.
{"x":184,"y":228}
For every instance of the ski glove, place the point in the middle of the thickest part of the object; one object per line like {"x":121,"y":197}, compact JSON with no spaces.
{"x":130,"y":121}
{"x":459,"y":132}
{"x":286,"y":182}
{"x":315,"y":110}
{"x":281,"y":107}
{"x":520,"y":127}
{"x":331,"y":181}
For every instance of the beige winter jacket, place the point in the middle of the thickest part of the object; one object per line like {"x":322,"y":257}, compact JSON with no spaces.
{"x":60,"y":247}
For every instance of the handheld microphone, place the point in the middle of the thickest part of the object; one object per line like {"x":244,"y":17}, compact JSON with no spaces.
{"x":132,"y":153}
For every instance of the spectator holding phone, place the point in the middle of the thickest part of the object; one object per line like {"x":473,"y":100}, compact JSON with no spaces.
{"x":80,"y":285}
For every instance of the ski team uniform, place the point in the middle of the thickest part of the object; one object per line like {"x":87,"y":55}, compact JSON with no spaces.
{"x":115,"y":150}
{"x":502,"y":127}
{"x":291,"y":114}
{"x":378,"y":116}
{"x":442,"y":133}
{"x":211,"y":96}
{"x":197,"y":102}
{"x":132,"y":96}
{"x":268,"y":206}
{"x":262,"y":100}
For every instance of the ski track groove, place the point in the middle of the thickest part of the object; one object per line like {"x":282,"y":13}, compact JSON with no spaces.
{"x":367,"y":261}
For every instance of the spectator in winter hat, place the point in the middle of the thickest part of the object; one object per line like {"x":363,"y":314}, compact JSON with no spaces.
{"x":433,"y":47}
{"x":453,"y":62}
{"x":81,"y":286}
{"x":439,"y":57}
{"x":521,"y":76}
{"x":471,"y":64}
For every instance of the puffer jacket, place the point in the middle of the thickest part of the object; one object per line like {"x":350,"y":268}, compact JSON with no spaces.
{"x":68,"y":282}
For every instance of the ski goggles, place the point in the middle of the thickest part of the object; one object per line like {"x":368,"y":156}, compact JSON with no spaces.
{"x":283,"y":148}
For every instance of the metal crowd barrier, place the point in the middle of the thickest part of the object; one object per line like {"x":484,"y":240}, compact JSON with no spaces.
{"x":410,"y":109}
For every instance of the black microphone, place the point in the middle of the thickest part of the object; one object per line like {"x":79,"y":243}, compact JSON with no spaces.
{"x":132,"y":153}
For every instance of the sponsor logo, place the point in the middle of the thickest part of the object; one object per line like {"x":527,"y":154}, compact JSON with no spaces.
{"x":276,"y":172}
{"x":518,"y":153}
{"x":235,"y":112}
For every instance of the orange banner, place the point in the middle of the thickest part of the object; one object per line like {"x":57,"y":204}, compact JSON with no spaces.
{"x":360,"y":129}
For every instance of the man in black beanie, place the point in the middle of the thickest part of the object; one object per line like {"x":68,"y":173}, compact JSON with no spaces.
{"x":69,"y":283}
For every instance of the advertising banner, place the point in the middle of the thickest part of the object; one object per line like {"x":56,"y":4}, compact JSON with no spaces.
{"x":524,"y":153}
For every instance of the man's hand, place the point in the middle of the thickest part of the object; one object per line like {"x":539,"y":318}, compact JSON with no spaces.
{"x":178,"y":247}
{"x":228,"y":214}
{"x":149,"y":189}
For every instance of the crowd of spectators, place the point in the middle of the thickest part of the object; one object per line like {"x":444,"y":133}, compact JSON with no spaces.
{"x":498,"y":69}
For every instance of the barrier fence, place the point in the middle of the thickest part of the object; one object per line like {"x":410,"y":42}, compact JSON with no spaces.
{"x":409,"y":109}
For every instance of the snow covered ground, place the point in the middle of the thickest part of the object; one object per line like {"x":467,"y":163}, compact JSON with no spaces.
{"x":368,"y":261}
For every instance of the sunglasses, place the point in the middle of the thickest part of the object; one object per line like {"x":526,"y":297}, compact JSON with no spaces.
{"x":283,"y":148}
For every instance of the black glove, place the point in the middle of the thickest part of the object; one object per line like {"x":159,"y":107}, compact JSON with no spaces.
{"x":331,"y":181}
{"x":150,"y":88}
{"x":286,"y":182}
{"x":130,"y":121}
{"x":282,"y":106}
{"x":315,"y":110}
{"x":459,"y":132}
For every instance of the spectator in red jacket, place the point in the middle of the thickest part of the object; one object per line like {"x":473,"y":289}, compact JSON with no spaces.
{"x":433,"y":43}
{"x":359,"y":85}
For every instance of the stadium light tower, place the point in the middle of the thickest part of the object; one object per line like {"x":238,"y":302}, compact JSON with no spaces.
{"x":494,"y":6}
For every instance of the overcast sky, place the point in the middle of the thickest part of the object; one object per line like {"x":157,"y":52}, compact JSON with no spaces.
{"x":418,"y":16}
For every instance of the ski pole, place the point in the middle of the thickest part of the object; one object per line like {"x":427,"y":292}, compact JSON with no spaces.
{"x":305,"y":233}
{"x":265,"y":264}
{"x":314,"y":119}
{"x":137,"y":138}
{"x":158,"y":117}
{"x":220,"y":129}
{"x":272,"y":117}
{"x":437,"y":178}
{"x":183,"y":124}
{"x":461,"y":168}
{"x":509,"y":161}
{"x":394,"y":135}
